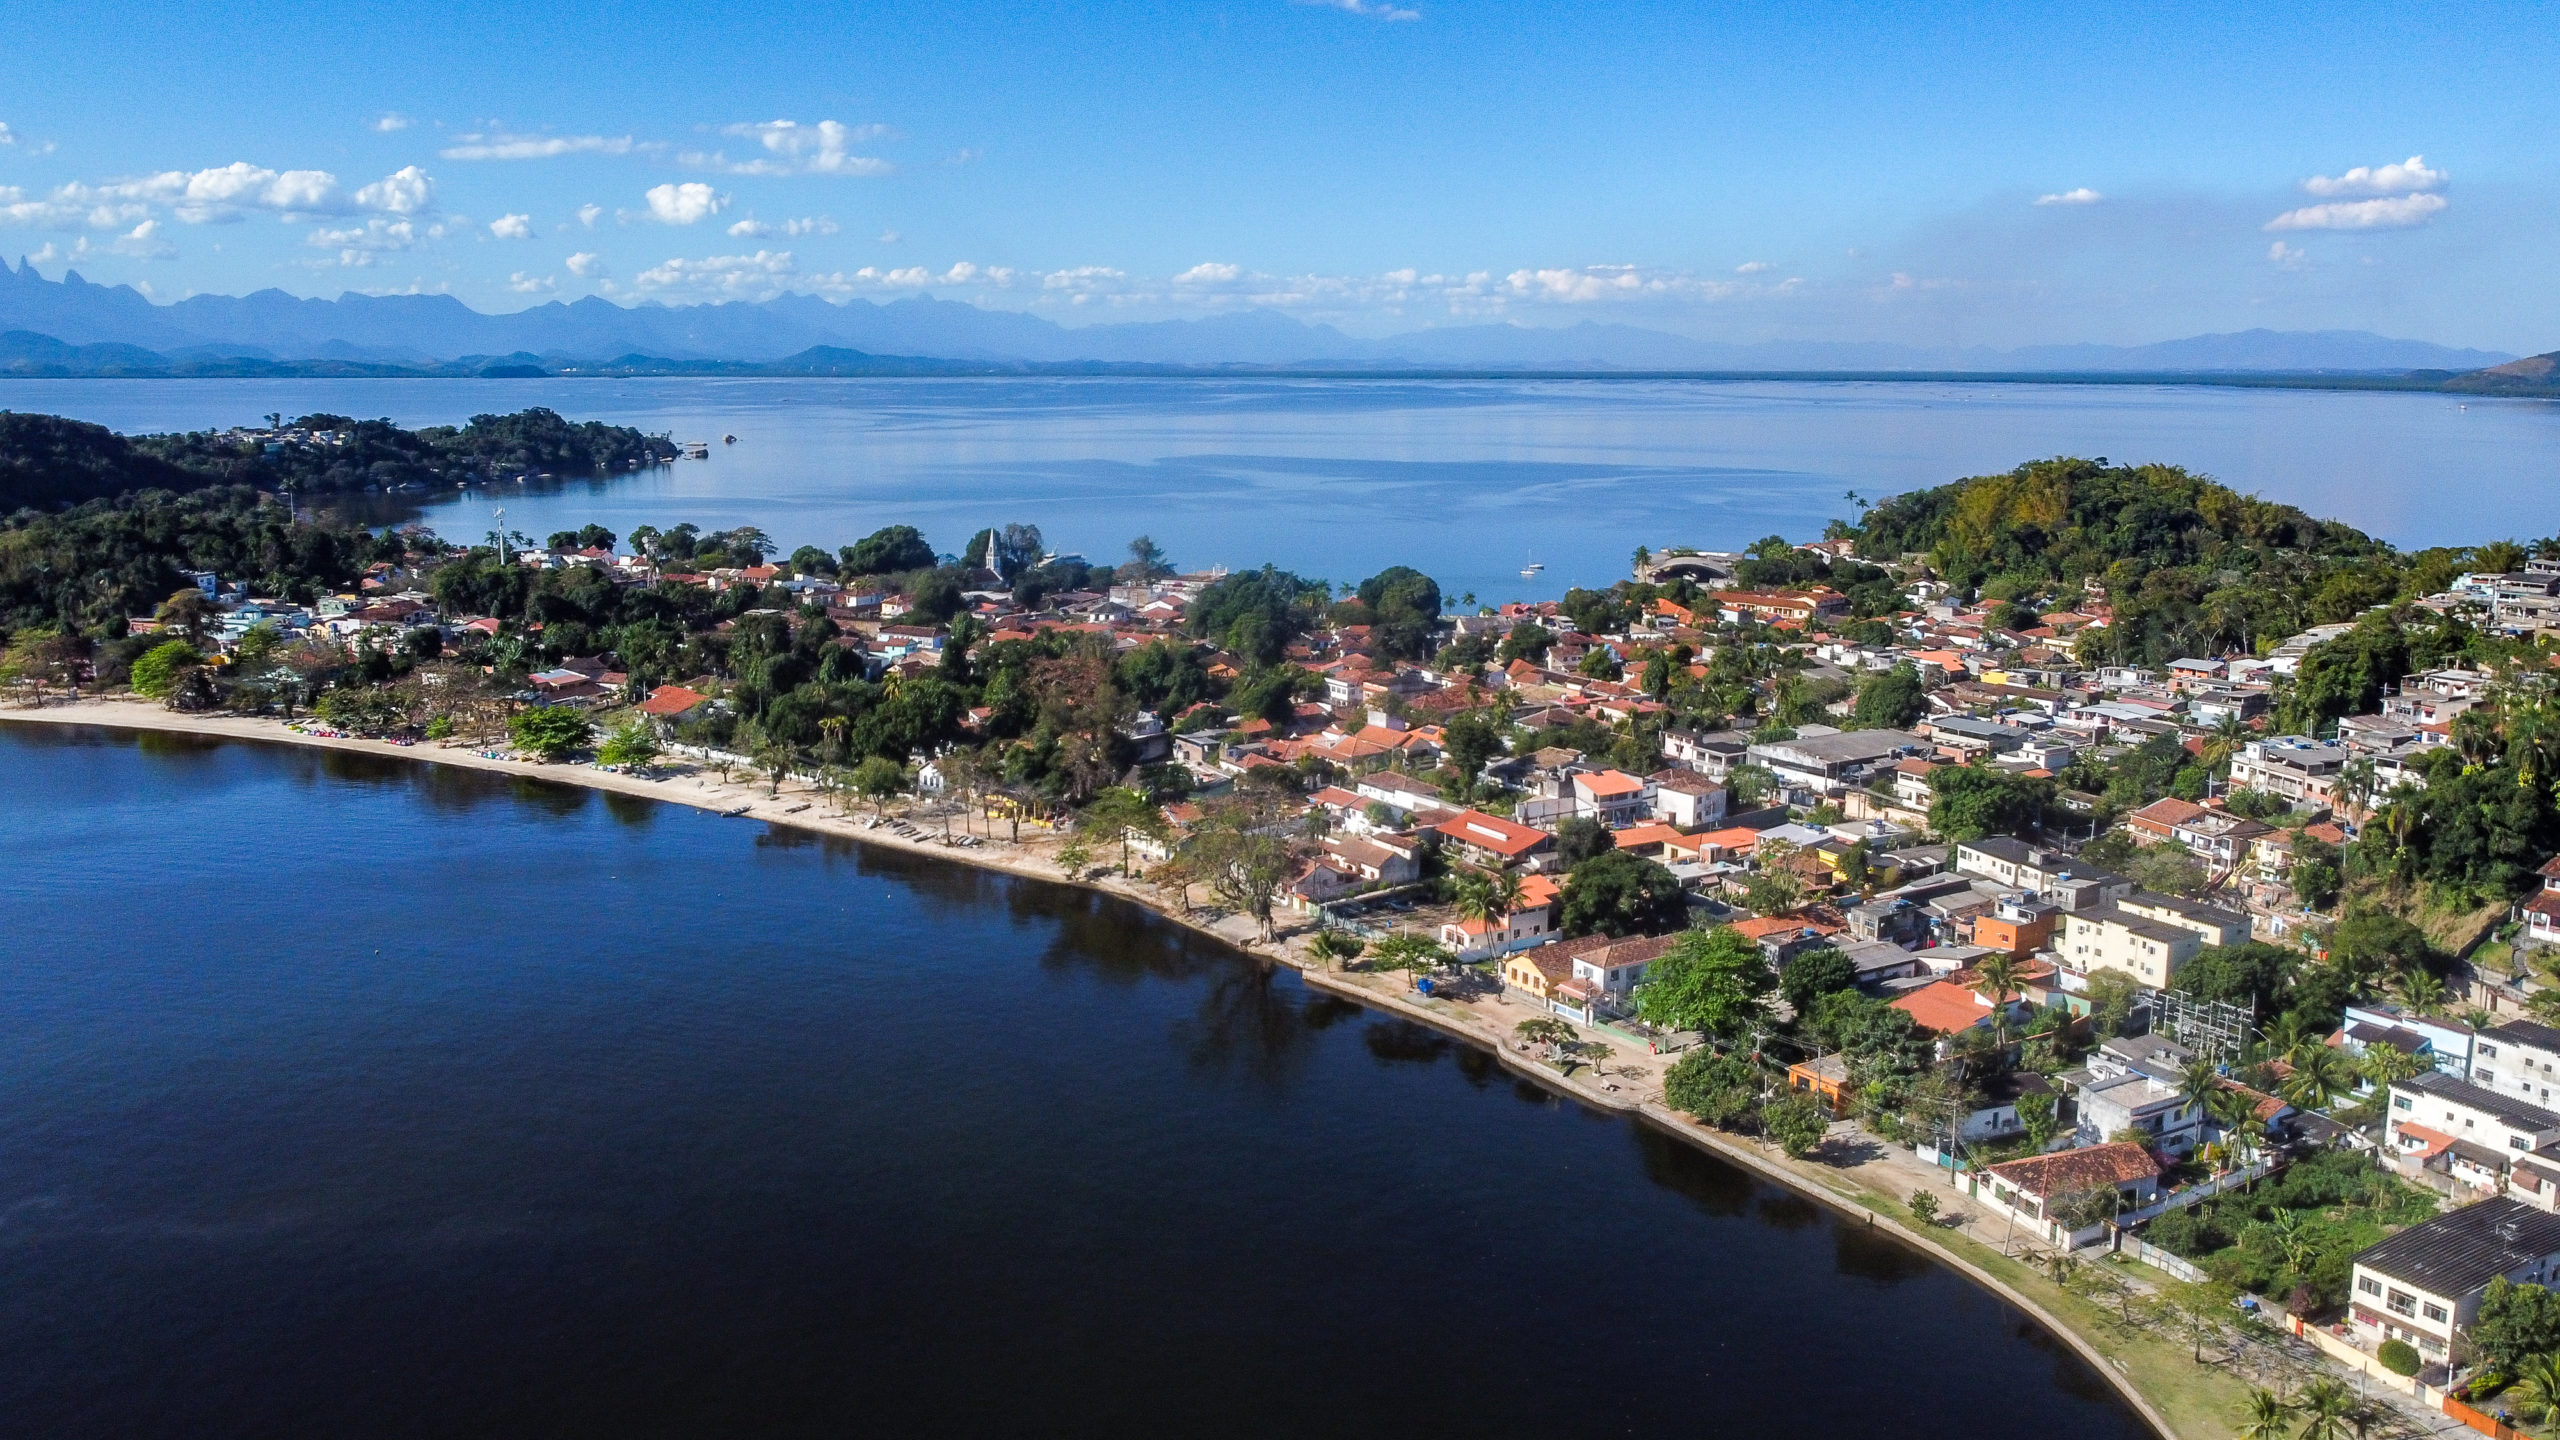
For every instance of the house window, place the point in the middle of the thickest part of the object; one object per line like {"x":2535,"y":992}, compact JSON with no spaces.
{"x":2518,"y":1142}
{"x":2488,"y":1077}
{"x":2488,"y":1052}
{"x":2368,"y":1285}
{"x":2433,"y":1312}
{"x":2402,"y":1303}
{"x":2401,"y":1102}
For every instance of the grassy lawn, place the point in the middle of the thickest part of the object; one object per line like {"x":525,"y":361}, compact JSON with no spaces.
{"x":2200,"y":1402}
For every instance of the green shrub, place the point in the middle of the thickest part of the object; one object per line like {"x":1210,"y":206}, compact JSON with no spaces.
{"x":156,"y":672}
{"x":2398,"y":1357}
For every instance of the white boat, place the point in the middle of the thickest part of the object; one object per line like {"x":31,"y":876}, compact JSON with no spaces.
{"x":1530,"y":570}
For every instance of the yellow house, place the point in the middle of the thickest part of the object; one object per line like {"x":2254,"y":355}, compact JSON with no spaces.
{"x":1536,"y":972}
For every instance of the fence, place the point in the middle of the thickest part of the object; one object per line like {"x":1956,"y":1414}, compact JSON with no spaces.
{"x":2196,"y":1194}
{"x":2135,"y":1247}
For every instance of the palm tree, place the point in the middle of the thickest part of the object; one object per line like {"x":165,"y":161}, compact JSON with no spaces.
{"x":2420,"y":988}
{"x":2356,"y":785}
{"x":2199,"y":1080}
{"x":2265,"y":1416}
{"x":2236,"y":1111}
{"x":2537,"y":1389}
{"x":2284,"y":1033}
{"x":1995,"y":978}
{"x":2327,"y":1408}
{"x":2320,"y":1076}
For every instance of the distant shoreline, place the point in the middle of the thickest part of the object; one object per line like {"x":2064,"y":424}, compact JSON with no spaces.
{"x":2408,"y":383}
{"x":702,"y":791}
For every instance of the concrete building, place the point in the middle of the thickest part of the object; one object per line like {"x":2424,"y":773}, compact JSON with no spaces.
{"x":2146,"y":936}
{"x":2423,"y":1285}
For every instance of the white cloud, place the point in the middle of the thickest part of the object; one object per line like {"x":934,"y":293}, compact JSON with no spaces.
{"x":524,"y":284}
{"x":7,"y":135}
{"x":674,"y":204}
{"x":1753,"y":267}
{"x":367,"y":244}
{"x":2082,"y":196}
{"x":499,"y":145}
{"x":391,"y":121}
{"x":587,"y":215}
{"x":754,"y":229}
{"x":143,"y":242}
{"x":586,"y":264}
{"x":406,"y":191}
{"x":2286,"y":257}
{"x":1210,"y":273}
{"x":2409,"y":175}
{"x":890,"y":237}
{"x":512,"y":227}
{"x":1377,"y":8}
{"x":756,"y":276}
{"x":792,"y":148}
{"x":2398,"y":212}
{"x":223,"y":193}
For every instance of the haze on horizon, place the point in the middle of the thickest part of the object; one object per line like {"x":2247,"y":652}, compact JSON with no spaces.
{"x":1919,"y":175}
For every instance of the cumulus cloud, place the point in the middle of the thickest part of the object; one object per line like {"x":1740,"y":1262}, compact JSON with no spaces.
{"x":1210,"y":273}
{"x":587,"y":215}
{"x":369,"y":243}
{"x":2286,"y":257}
{"x":2082,"y":196}
{"x":2396,"y":213}
{"x":754,"y":229}
{"x":1753,"y":267}
{"x":391,"y":121}
{"x":524,"y":284}
{"x":512,"y":227}
{"x":222,"y":194}
{"x":406,"y":191}
{"x":792,"y":148}
{"x":751,"y":276}
{"x":586,"y":264}
{"x":500,"y":145}
{"x":7,"y":135}
{"x":1377,"y":9}
{"x":683,"y":204}
{"x":2411,"y":174}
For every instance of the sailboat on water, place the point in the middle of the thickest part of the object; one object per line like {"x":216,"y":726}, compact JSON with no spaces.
{"x":1530,"y":570}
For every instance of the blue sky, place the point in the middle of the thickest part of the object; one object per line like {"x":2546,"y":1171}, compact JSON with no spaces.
{"x":1732,"y":172}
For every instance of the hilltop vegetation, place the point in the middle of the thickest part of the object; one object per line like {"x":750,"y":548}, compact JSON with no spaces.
{"x":2186,"y":564}
{"x":48,"y":461}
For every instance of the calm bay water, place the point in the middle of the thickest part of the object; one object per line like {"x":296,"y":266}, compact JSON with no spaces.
{"x":1468,"y":480}
{"x":353,"y":1097}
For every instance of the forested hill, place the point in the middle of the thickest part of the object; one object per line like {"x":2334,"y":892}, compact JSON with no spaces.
{"x":2185,"y":562}
{"x":47,"y":461}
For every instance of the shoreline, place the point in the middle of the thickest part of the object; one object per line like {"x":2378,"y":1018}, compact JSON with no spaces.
{"x":700,"y":790}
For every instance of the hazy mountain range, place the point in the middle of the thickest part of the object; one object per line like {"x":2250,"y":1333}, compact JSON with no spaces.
{"x":427,"y":330}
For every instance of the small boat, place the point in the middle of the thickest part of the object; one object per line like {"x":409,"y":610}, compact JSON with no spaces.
{"x":733,"y":814}
{"x":728,"y":439}
{"x":1530,"y":570}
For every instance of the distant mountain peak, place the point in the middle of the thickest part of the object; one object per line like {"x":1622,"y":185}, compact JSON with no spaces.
{"x":411,"y":329}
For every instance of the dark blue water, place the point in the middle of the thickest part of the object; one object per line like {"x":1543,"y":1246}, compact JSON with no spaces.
{"x":1468,"y":480}
{"x":350,"y":1097}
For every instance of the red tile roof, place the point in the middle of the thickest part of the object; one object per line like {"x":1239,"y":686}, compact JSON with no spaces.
{"x":2063,"y":1172}
{"x":1944,"y":1008}
{"x":671,"y":700}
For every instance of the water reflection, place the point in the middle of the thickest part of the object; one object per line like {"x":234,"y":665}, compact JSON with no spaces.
{"x":1252,"y":1021}
{"x":1873,"y":1254}
{"x":1715,"y":1187}
{"x":635,"y":811}
{"x":1786,"y":1210}
{"x":1402,"y":1042}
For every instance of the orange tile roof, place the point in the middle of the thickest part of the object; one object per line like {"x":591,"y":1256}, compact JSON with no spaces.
{"x":2065,"y":1171}
{"x":1635,"y":835}
{"x":1944,"y":1007}
{"x":1491,"y":832}
{"x":1608,"y":782}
